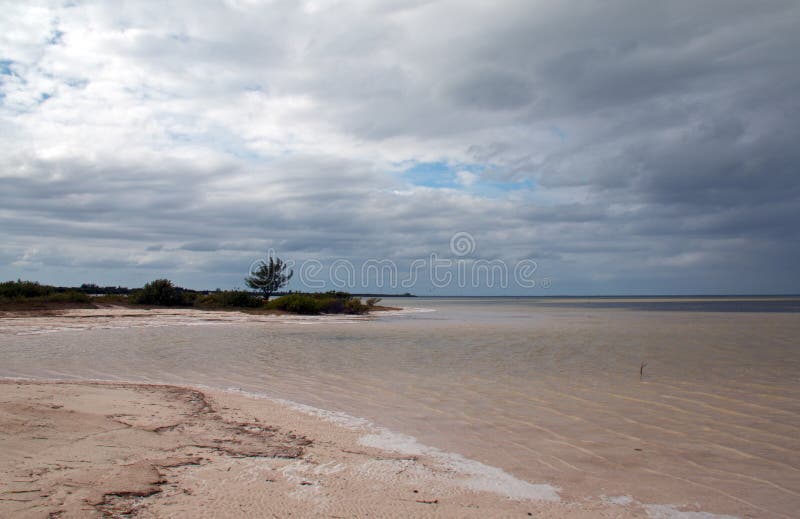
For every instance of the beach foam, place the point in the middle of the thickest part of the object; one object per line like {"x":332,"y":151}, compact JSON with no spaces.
{"x":672,"y":512}
{"x":478,"y":476}
{"x":473,"y":474}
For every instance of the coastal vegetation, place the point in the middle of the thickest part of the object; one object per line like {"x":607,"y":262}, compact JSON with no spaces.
{"x":31,"y":295}
{"x":228,"y":299}
{"x":161,"y":292}
{"x":266,"y":279}
{"x":269,"y":276}
{"x":323,"y":303}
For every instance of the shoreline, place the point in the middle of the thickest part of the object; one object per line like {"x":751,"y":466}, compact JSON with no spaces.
{"x":89,"y":448}
{"x":34,"y":307}
{"x":107,"y":448}
{"x":119,"y":317}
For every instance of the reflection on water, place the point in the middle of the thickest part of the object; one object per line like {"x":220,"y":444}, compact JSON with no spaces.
{"x":549,"y":392}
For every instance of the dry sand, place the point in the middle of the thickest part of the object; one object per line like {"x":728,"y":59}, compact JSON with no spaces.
{"x":122,"y":450}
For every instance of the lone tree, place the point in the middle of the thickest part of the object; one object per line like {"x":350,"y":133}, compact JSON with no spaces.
{"x":269,"y":276}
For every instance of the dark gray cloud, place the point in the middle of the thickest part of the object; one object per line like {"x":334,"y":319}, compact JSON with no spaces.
{"x":625,"y":146}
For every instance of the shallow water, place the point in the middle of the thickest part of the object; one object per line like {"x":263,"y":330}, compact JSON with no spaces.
{"x":548,"y":391}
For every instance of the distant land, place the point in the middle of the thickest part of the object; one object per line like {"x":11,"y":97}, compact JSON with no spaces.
{"x":92,"y":289}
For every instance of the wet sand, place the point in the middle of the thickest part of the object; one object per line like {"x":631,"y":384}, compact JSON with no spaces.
{"x":120,"y":450}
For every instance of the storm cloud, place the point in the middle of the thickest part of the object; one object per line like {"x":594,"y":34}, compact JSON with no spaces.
{"x":626,"y":147}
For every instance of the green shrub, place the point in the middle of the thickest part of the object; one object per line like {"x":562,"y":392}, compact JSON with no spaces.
{"x":355,"y":306}
{"x":70,"y":296}
{"x":111,"y":299}
{"x":162,"y":292}
{"x":298,"y":304}
{"x":324,"y":303}
{"x":32,"y":290}
{"x":23,"y":289}
{"x":228,"y":299}
{"x":25,"y":295}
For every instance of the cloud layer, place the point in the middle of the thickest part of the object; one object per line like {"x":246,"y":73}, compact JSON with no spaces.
{"x":623,"y":146}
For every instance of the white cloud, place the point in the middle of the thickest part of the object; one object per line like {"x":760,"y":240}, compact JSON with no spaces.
{"x":467,"y":179}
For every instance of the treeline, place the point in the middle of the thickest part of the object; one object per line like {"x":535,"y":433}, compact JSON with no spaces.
{"x":162,"y":292}
{"x":92,"y":289}
{"x":32,"y":291}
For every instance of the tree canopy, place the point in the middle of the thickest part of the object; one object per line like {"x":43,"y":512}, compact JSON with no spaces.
{"x":269,"y":276}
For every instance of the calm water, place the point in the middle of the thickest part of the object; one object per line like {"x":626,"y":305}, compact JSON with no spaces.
{"x":549,"y":391}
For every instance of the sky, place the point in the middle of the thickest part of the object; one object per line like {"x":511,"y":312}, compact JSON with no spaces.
{"x":602,"y":147}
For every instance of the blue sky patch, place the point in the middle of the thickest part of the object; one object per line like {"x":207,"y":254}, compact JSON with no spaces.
{"x":5,"y":67}
{"x":431,"y":174}
{"x":55,"y":37}
{"x":466,"y":177}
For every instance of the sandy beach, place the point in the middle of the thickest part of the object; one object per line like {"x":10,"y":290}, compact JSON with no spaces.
{"x":458,"y":409}
{"x":121,"y":450}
